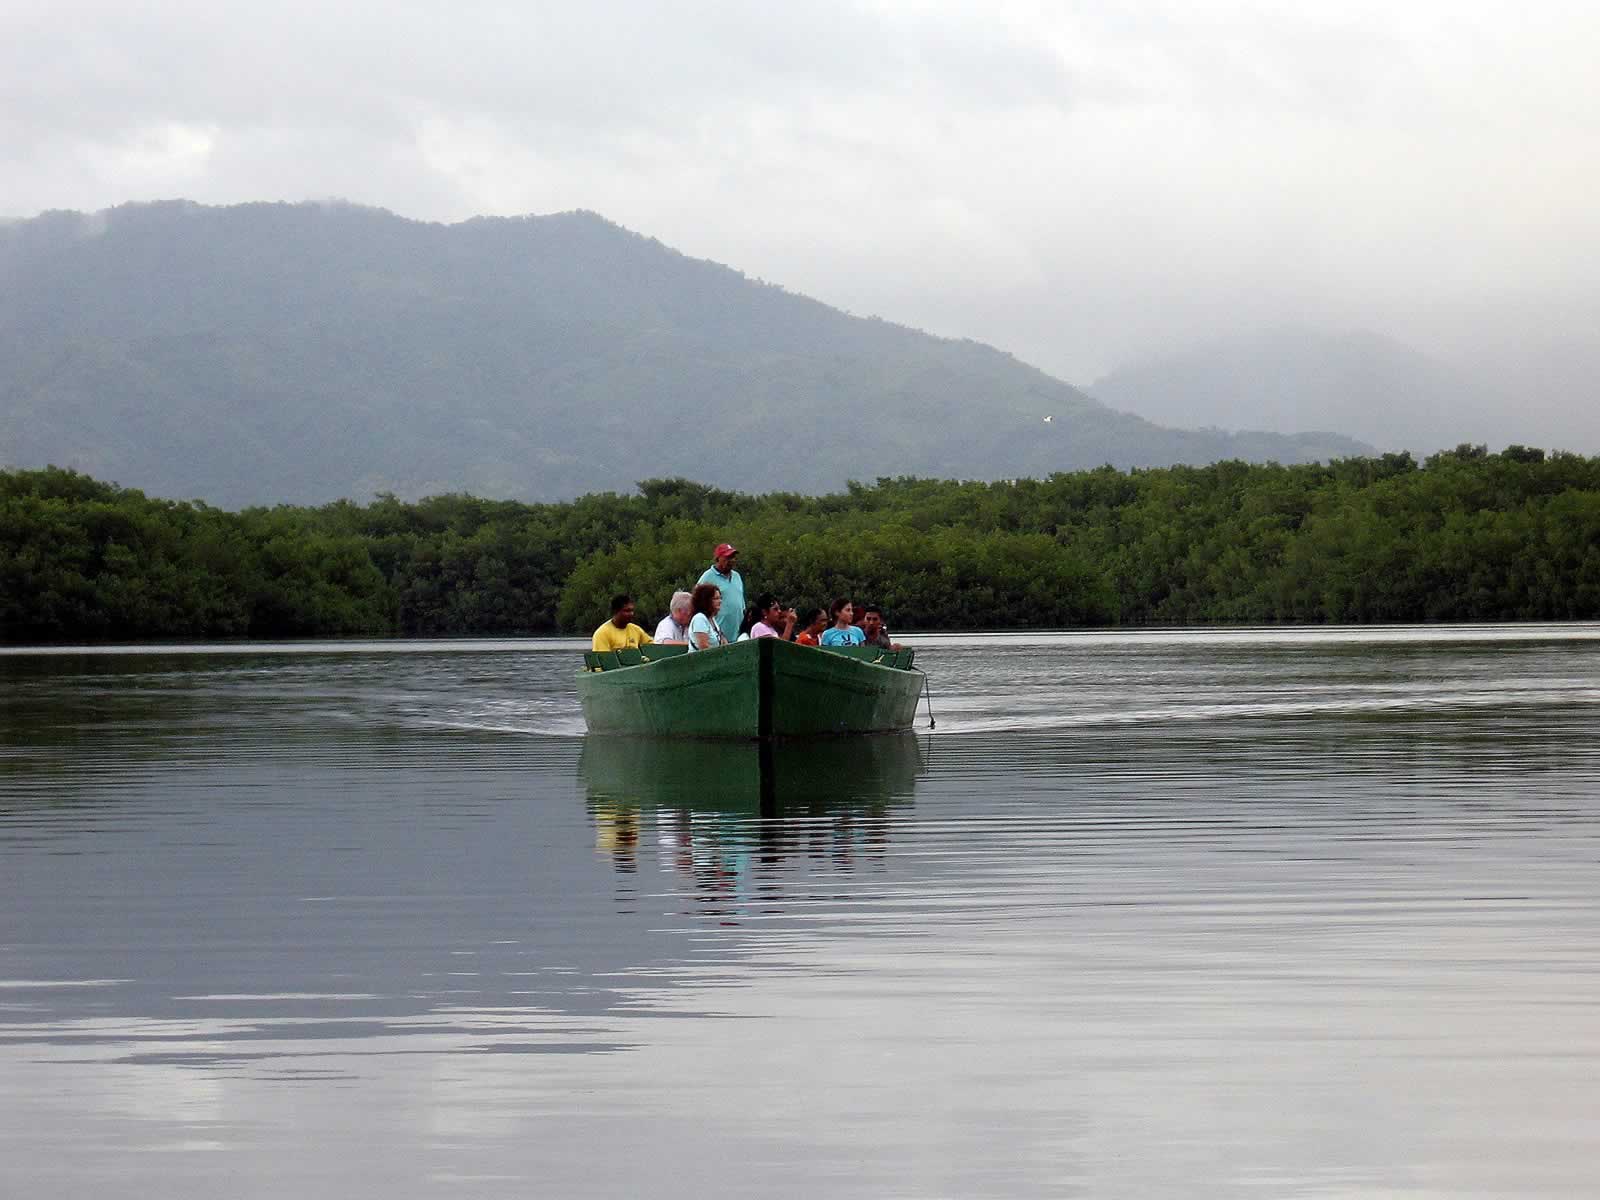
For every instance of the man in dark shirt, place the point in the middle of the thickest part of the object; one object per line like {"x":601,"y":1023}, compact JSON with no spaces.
{"x":872,"y":626}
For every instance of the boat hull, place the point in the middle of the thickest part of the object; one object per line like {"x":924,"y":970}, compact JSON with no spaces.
{"x":756,"y":689}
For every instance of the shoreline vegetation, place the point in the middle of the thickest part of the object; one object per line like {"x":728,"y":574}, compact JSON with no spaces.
{"x":1464,"y":536}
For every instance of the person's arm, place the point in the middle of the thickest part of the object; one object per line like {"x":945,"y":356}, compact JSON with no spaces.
{"x":703,"y":640}
{"x":788,"y":625}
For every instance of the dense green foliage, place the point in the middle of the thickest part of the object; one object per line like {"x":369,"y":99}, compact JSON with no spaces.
{"x":1466,"y":536}
{"x":272,"y":352}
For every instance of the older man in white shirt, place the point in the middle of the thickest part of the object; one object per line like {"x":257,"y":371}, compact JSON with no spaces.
{"x":674,"y":627}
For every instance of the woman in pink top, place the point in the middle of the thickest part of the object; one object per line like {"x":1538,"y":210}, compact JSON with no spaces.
{"x":776,"y":621}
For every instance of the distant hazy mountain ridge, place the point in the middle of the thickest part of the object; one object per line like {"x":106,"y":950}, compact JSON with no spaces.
{"x":300,"y":353}
{"x":1286,"y":380}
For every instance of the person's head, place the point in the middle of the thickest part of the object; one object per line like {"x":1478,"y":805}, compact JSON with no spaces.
{"x":706,"y":598}
{"x":816,"y":621}
{"x":725,"y":557}
{"x":621,"y":610}
{"x":768,"y":609}
{"x":872,"y":620}
{"x":840,"y":611}
{"x":680,"y":607}
{"x":752,"y":614}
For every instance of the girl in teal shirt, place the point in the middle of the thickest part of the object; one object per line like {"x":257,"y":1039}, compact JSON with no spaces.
{"x":843,"y":633}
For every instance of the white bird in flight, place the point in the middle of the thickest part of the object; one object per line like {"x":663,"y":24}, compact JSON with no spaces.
{"x":1048,"y":419}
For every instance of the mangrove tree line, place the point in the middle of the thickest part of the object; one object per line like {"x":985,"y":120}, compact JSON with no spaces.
{"x":1465,"y":536}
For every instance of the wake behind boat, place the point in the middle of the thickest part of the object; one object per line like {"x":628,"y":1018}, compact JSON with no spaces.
{"x":762,"y":688}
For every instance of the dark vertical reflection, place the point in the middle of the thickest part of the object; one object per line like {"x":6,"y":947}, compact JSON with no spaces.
{"x":730,"y":819}
{"x":768,"y":779}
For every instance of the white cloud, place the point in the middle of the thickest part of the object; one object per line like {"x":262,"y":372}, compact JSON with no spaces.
{"x":1074,"y":183}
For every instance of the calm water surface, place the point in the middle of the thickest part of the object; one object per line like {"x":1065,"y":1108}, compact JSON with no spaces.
{"x":1193,"y":914}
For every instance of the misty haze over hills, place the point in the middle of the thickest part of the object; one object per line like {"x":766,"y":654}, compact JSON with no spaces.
{"x":1519,"y":388}
{"x":264,"y":353}
{"x":1292,"y":379}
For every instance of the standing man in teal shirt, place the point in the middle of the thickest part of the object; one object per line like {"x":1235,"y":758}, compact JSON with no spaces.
{"x":731,"y":584}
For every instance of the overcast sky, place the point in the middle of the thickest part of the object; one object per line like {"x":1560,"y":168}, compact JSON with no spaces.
{"x":1079,"y":183}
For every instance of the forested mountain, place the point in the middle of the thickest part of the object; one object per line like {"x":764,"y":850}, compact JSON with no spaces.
{"x":300,"y":353}
{"x":1290,"y":379}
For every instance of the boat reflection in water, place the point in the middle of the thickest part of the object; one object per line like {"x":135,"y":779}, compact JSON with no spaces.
{"x":730,"y":815}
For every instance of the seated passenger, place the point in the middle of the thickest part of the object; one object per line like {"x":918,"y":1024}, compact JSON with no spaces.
{"x":873,"y":628}
{"x":674,"y":627}
{"x":752,"y":616}
{"x":812,"y":631}
{"x":704,"y":633}
{"x":620,"y":633}
{"x":842,"y":632}
{"x":772,"y":619}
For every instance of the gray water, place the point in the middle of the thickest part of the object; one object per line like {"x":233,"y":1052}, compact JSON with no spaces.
{"x":1305,"y":913}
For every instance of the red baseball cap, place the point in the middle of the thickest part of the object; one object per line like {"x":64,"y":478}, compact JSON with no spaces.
{"x":723,"y":549}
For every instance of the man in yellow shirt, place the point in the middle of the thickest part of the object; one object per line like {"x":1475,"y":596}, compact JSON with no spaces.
{"x":620,"y":633}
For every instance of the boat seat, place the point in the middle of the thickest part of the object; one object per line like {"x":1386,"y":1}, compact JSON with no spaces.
{"x":629,"y":656}
{"x":591,"y":661}
{"x":908,"y":655}
{"x":655,"y":652}
{"x":609,"y":660}
{"x":865,"y":653}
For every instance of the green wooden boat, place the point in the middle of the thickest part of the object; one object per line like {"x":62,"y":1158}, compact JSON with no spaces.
{"x":763,"y":688}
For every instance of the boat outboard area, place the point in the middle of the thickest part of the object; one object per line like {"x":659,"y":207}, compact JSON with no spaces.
{"x":761,"y":688}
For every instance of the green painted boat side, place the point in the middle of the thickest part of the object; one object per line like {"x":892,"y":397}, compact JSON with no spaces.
{"x":755,"y":689}
{"x":711,"y":694}
{"x":820,"y":693}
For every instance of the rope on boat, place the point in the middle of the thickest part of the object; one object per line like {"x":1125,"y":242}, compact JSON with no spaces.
{"x":927,"y":693}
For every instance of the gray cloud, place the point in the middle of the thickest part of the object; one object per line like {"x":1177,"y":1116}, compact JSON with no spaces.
{"x":1078,"y":184}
